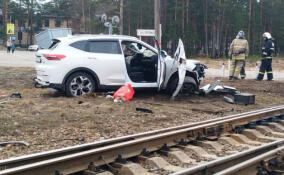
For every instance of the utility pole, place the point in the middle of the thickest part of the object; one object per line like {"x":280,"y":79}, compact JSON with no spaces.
{"x":83,"y":13}
{"x":121,"y":18}
{"x":157,"y":20}
{"x":20,"y":26}
{"x":5,"y":16}
{"x":31,"y":23}
{"x":249,"y":20}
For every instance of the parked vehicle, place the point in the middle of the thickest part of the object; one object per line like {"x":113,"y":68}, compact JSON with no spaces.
{"x":33,"y":48}
{"x":82,"y":64}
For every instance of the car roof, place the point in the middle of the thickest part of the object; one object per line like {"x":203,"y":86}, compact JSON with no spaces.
{"x":73,"y":38}
{"x":100,"y":36}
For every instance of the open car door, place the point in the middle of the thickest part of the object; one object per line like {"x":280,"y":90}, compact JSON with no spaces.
{"x":181,"y":59}
{"x":161,"y":66}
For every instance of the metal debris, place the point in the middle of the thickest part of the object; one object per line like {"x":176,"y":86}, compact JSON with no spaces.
{"x":16,"y":143}
{"x":144,"y":110}
{"x":228,"y":100}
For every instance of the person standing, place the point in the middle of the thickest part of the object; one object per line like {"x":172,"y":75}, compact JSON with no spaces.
{"x":8,"y":44}
{"x":238,"y":53}
{"x":266,"y":61}
{"x":13,"y":47}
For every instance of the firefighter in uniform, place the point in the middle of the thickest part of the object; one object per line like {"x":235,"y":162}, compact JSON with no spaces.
{"x":266,"y":61}
{"x":239,"y":50}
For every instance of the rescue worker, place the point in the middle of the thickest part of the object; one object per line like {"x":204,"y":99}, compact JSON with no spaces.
{"x":266,"y":61}
{"x":238,"y":53}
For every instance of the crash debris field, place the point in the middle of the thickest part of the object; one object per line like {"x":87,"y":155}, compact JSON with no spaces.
{"x":48,"y":120}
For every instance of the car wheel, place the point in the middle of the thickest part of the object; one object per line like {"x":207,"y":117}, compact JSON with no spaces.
{"x":172,"y":85}
{"x":78,"y":84}
{"x":189,"y":85}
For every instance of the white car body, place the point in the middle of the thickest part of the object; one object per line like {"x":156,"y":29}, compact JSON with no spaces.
{"x":107,"y":69}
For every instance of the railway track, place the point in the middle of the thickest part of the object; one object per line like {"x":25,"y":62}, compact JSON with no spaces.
{"x":214,"y":146}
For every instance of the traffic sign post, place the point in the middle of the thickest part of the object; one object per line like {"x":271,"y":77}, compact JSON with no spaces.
{"x":10,"y":29}
{"x":145,"y":32}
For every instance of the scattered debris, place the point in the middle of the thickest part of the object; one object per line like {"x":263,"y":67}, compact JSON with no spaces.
{"x":239,"y":98}
{"x":217,"y":88}
{"x":144,"y":110}
{"x":75,"y":139}
{"x":244,"y":98}
{"x":209,"y":87}
{"x":226,"y":90}
{"x":15,"y":143}
{"x":80,"y":102}
{"x":12,"y":97}
{"x":228,"y":100}
{"x":109,"y":97}
{"x":16,"y":95}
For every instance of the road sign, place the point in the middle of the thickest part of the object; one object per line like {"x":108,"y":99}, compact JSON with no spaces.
{"x":13,"y":38}
{"x":10,"y":29}
{"x":145,"y":32}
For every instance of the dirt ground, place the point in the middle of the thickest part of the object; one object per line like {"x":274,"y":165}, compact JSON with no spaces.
{"x":49,"y":120}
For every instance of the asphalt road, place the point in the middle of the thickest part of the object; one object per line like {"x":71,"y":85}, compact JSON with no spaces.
{"x":278,"y":76}
{"x":17,"y":59}
{"x":27,"y":59}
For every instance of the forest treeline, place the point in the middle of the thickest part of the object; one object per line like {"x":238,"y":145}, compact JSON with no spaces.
{"x":206,"y":27}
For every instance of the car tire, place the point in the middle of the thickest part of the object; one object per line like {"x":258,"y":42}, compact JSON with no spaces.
{"x":189,"y":85}
{"x":79,"y":83}
{"x":172,"y":85}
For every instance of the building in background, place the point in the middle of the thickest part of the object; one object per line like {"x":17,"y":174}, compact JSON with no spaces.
{"x":45,"y":21}
{"x":40,"y":23}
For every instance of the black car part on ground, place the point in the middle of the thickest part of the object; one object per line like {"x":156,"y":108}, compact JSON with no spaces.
{"x":200,"y":68}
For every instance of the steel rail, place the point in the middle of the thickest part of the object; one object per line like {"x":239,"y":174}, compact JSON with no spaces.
{"x":36,"y":157}
{"x":80,"y":161}
{"x":222,"y":163}
{"x":251,"y":163}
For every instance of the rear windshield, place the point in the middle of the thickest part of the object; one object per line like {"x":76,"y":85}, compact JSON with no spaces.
{"x":54,"y":44}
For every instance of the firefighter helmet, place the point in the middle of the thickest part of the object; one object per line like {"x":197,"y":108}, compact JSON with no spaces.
{"x":267,"y":35}
{"x":241,"y":35}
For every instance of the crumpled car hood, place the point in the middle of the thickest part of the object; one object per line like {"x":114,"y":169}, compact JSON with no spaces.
{"x":191,"y":64}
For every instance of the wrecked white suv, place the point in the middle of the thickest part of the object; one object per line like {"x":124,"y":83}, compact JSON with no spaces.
{"x":82,"y":64}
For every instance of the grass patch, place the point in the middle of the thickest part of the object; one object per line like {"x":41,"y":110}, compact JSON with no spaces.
{"x":253,"y":58}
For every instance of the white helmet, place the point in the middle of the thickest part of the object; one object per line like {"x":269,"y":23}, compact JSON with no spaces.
{"x":267,"y":35}
{"x":241,"y":35}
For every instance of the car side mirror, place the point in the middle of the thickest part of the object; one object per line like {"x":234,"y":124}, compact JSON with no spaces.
{"x":164,"y":54}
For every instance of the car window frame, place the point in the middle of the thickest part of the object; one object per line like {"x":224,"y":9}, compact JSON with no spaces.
{"x":85,"y":48}
{"x":104,"y":40}
{"x":136,"y":42}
